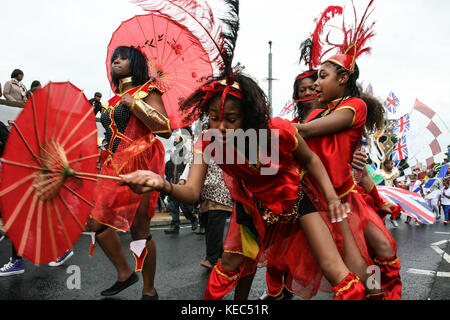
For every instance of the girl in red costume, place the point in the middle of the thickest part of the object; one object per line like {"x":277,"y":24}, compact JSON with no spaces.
{"x":277,"y":220}
{"x":385,"y":246}
{"x":131,"y":119}
{"x":334,"y":134}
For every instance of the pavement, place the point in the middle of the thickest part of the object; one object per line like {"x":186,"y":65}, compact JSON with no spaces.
{"x":160,"y":219}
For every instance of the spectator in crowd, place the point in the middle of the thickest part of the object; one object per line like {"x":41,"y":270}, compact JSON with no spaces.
{"x":96,"y":102}
{"x":389,"y":173}
{"x":174,"y":168}
{"x":433,"y":194}
{"x":1,"y":90}
{"x":35,"y":85}
{"x":215,"y":206}
{"x":14,"y":89}
{"x":445,"y":200}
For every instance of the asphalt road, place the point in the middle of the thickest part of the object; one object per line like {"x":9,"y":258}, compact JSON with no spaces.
{"x":424,"y":252}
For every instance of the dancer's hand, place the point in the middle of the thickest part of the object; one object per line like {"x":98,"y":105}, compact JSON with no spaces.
{"x":359,"y":160}
{"x":126,"y":100}
{"x":337,"y":211}
{"x":143,"y":181}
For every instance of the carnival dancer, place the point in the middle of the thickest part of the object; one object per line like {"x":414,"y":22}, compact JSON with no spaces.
{"x":383,"y":246}
{"x":305,"y":101}
{"x":304,"y":92}
{"x":274,"y":221}
{"x":335,"y":133}
{"x":131,"y":120}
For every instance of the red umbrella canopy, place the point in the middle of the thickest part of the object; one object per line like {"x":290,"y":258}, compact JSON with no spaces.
{"x":177,"y":61}
{"x":45,"y":205}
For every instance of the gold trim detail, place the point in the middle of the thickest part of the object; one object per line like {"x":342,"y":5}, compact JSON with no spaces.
{"x":233,"y":278}
{"x":351,"y":108}
{"x":348,"y":191}
{"x":385,"y":262}
{"x":347,"y":286}
{"x":124,"y":81}
{"x":153,"y":119}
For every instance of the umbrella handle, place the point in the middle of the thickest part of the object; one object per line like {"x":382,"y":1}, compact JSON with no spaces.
{"x":148,"y":183}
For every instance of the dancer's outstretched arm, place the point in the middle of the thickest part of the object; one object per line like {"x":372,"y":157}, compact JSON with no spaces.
{"x":143,"y":181}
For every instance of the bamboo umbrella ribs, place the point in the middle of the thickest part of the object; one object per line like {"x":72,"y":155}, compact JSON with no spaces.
{"x":49,"y":172}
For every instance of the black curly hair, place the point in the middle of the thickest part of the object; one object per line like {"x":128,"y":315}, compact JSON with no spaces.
{"x":255,"y":105}
{"x":299,"y":108}
{"x":375,"y":114}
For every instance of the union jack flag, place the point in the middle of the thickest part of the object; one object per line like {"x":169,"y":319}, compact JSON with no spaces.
{"x":391,"y":103}
{"x":402,"y":125}
{"x":400,"y":151}
{"x":412,"y":203}
{"x":288,"y":108}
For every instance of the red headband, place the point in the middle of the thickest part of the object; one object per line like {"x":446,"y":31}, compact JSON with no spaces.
{"x":219,"y":86}
{"x":305,"y":75}
{"x":308,"y":98}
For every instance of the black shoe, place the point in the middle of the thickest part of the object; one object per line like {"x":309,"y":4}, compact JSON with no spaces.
{"x":194,"y":224}
{"x":146,"y":297}
{"x":172,"y":230}
{"x":119,"y":286}
{"x":201,"y":230}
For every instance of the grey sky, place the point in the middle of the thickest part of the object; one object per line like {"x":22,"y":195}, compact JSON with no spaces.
{"x":66,"y":40}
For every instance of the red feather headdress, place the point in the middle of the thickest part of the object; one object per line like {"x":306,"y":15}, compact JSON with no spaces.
{"x":311,"y":48}
{"x":353,"y":44}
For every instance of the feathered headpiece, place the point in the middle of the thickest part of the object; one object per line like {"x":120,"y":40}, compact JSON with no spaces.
{"x":353,"y":44}
{"x":311,"y":48}
{"x":219,"y":40}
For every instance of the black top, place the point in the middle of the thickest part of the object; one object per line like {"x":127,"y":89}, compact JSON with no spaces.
{"x":97,"y":106}
{"x":121,"y":116}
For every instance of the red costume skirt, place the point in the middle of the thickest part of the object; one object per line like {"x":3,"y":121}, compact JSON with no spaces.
{"x":284,"y":250}
{"x":115,"y":205}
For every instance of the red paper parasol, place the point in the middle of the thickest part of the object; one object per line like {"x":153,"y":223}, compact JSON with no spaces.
{"x":45,"y":203}
{"x":178,"y":63}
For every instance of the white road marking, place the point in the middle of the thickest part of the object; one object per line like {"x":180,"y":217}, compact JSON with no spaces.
{"x":439,"y":251}
{"x":439,"y":232}
{"x":429,"y":273}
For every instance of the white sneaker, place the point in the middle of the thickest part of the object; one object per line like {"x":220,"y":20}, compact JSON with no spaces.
{"x":394,"y":223}
{"x":62,"y":259}
{"x":265,"y":296}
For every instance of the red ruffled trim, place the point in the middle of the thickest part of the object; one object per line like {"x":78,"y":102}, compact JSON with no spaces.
{"x":351,"y":288}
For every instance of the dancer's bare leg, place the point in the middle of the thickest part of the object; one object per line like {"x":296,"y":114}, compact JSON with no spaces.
{"x":141,"y":230}
{"x":109,"y":241}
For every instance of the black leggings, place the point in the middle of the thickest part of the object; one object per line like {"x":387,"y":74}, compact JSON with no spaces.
{"x":14,"y":254}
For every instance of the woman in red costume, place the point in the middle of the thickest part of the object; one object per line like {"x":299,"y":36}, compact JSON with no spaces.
{"x":304,"y":92}
{"x":131,"y":119}
{"x":275,"y":220}
{"x":335,"y":133}
{"x":385,"y":246}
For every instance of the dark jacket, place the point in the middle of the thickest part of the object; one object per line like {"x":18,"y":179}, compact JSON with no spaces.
{"x":97,"y":106}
